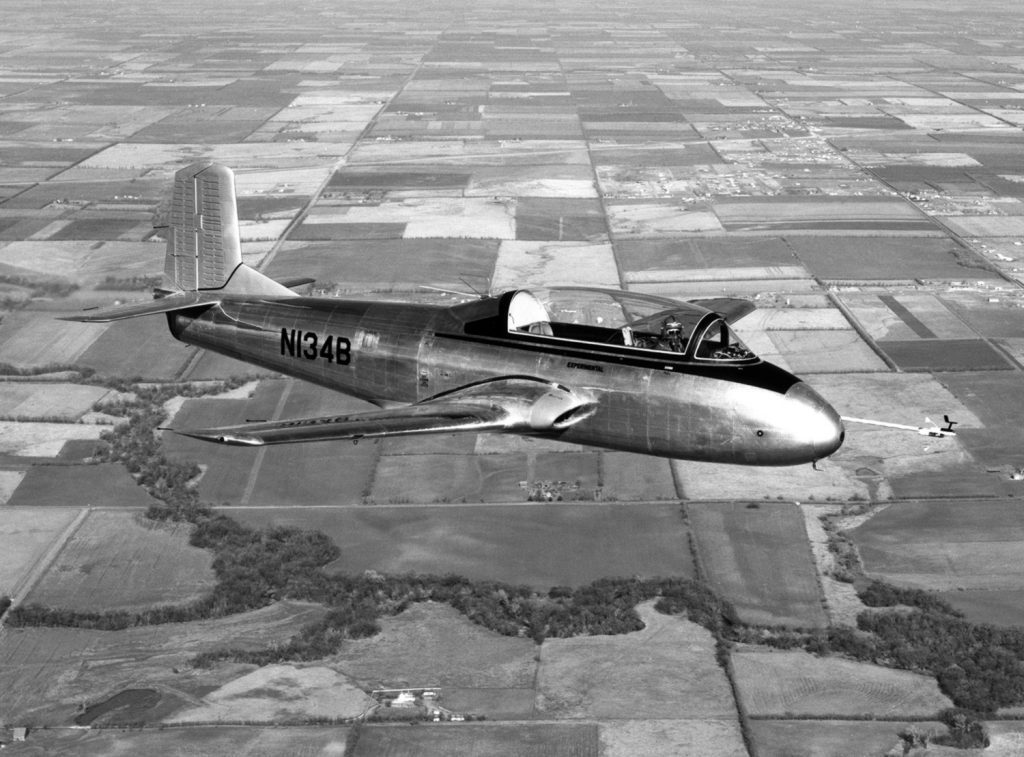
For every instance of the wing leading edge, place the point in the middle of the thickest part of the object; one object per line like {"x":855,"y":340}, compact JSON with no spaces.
{"x":512,"y":405}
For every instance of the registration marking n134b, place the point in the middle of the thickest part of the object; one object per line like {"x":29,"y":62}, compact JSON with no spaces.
{"x":313,"y":346}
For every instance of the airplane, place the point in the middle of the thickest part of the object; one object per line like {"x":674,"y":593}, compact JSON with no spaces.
{"x":600,"y":367}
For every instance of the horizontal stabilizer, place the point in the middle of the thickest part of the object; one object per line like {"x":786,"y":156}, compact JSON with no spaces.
{"x":518,"y":405}
{"x":295,"y":281}
{"x":168,"y":304}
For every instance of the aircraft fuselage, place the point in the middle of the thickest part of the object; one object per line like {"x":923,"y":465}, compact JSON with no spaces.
{"x":644,"y":402}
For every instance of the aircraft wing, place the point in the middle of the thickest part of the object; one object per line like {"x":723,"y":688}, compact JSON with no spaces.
{"x":516,"y":405}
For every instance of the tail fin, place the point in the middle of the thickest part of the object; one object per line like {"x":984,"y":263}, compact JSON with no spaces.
{"x":204,"y":256}
{"x":202,"y":244}
{"x":203,"y":249}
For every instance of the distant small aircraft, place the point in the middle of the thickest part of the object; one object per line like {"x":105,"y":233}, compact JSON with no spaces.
{"x":607,"y":368}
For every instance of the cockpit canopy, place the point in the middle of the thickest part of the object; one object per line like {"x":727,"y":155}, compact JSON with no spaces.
{"x":608,"y":317}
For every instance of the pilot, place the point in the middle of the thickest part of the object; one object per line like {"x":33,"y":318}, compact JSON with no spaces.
{"x":671,"y":339}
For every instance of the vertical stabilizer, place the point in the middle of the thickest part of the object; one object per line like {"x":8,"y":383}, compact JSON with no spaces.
{"x":202,"y":243}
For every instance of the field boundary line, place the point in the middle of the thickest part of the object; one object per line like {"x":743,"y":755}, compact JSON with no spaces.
{"x":257,"y":463}
{"x":43,"y":564}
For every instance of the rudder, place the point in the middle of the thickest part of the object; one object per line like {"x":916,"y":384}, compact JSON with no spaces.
{"x":203,"y":248}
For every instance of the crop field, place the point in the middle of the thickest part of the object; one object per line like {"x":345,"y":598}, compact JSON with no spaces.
{"x":667,"y":670}
{"x":137,"y":347}
{"x":817,"y":351}
{"x":27,"y":400}
{"x":211,"y":741}
{"x":520,"y":544}
{"x":627,"y":477}
{"x":103,"y":485}
{"x":945,"y":545}
{"x":672,"y":738}
{"x":1001,"y":607}
{"x":280,"y":692}
{"x":83,"y":260}
{"x":434,"y":645}
{"x":653,"y":220}
{"x":383,"y":264}
{"x":32,"y":339}
{"x":118,"y":561}
{"x":309,"y":474}
{"x":25,"y":537}
{"x":526,"y":264}
{"x":832,"y":738}
{"x":32,"y":439}
{"x":46,"y":673}
{"x":559,"y":220}
{"x":474,"y":740}
{"x":757,"y":556}
{"x":494,"y":704}
{"x":775,"y":683}
{"x":997,"y":399}
{"x":945,"y":355}
{"x":885,"y":258}
{"x":429,"y":479}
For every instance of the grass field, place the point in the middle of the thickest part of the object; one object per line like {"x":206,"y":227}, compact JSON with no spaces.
{"x":277,"y":693}
{"x":671,"y":738}
{"x":137,"y":347}
{"x":476,"y":739}
{"x":775,"y":683}
{"x":519,"y":544}
{"x":833,"y":738}
{"x":944,"y":545}
{"x":32,"y":439}
{"x":494,"y":477}
{"x":759,"y":559}
{"x":385,"y":263}
{"x":118,"y":561}
{"x":884,"y":258}
{"x":104,"y":485}
{"x":46,"y":673}
{"x":665,"y":671}
{"x":29,"y":338}
{"x":210,"y":741}
{"x":525,"y":264}
{"x":28,"y":401}
{"x":434,"y":645}
{"x":25,"y":537}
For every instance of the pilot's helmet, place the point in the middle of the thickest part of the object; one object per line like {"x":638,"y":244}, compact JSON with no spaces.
{"x":672,"y":326}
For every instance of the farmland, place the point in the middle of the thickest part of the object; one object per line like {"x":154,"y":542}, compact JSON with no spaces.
{"x":117,"y":560}
{"x":25,"y":537}
{"x":214,"y":741}
{"x":520,"y":740}
{"x":667,"y":670}
{"x":99,"y":664}
{"x":520,"y":544}
{"x":774,"y":683}
{"x":856,"y":172}
{"x":945,"y":545}
{"x":433,"y":645}
{"x":739,"y":545}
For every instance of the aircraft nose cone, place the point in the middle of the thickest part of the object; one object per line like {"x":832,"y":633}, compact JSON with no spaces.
{"x":816,"y":422}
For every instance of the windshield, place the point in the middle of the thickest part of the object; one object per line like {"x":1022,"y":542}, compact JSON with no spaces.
{"x":719,"y":342}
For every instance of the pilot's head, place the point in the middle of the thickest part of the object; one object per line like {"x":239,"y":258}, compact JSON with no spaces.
{"x":672,"y":328}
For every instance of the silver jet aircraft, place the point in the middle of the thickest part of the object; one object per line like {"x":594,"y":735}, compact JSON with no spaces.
{"x":606,"y":368}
